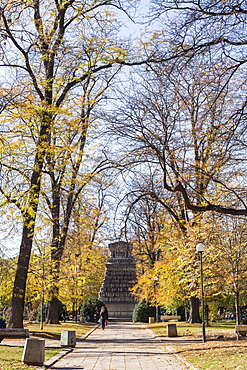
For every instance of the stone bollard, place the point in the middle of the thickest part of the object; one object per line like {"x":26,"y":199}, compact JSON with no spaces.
{"x":34,"y":351}
{"x":172,"y":330}
{"x":151,"y":320}
{"x":68,"y":338}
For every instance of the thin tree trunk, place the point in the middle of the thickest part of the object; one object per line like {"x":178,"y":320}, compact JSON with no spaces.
{"x":237,"y":307}
{"x":56,"y":255}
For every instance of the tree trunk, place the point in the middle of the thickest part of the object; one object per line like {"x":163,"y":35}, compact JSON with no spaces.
{"x":18,"y":296}
{"x":53,"y":316}
{"x":29,"y":217}
{"x":57,"y":249}
{"x":206,"y":315}
{"x":194,"y":311}
{"x":237,"y":307}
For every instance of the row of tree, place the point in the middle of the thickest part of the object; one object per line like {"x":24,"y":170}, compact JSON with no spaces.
{"x":173,"y":280}
{"x":79,"y":277}
{"x":168,"y":270}
{"x":172,"y":125}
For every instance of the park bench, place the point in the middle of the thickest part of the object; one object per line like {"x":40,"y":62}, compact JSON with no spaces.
{"x":241,"y":330}
{"x":170,"y":317}
{"x":13,"y":333}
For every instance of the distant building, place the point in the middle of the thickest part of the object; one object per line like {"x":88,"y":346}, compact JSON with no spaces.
{"x":120,"y":276}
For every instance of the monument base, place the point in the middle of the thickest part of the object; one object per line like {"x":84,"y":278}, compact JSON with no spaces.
{"x":120,"y":309}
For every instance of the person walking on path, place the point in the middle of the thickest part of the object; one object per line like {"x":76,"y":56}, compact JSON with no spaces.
{"x":103,"y":316}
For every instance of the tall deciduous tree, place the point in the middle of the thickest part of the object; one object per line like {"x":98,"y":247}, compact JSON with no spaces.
{"x":46,"y":54}
{"x":213,"y":31}
{"x":69,"y":166}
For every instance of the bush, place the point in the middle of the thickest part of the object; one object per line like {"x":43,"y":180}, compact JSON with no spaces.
{"x":142,"y":312}
{"x":93,"y":304}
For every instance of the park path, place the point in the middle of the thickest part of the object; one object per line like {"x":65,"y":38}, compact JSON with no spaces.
{"x":121,"y":346}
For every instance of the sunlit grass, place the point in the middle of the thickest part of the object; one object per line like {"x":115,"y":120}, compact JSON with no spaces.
{"x":56,"y":329}
{"x":11,"y":357}
{"x":184,"y":328}
{"x":216,"y":355}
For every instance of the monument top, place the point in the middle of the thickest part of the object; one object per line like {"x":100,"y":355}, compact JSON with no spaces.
{"x":120,"y":250}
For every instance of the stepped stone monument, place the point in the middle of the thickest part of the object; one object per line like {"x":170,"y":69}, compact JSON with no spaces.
{"x":120,"y":276}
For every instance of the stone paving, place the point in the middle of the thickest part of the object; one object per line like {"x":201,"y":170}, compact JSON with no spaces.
{"x":121,"y":346}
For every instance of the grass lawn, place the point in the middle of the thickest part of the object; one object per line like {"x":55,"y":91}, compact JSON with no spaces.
{"x":230,"y":355}
{"x":221,"y":351}
{"x":53,"y":331}
{"x":215,"y":329}
{"x":10,"y":356}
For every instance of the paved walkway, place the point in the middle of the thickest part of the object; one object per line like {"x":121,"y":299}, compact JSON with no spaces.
{"x":121,"y":346}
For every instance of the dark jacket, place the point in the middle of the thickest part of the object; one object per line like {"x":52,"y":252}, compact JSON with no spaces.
{"x":104,"y":315}
{"x":2,"y":324}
